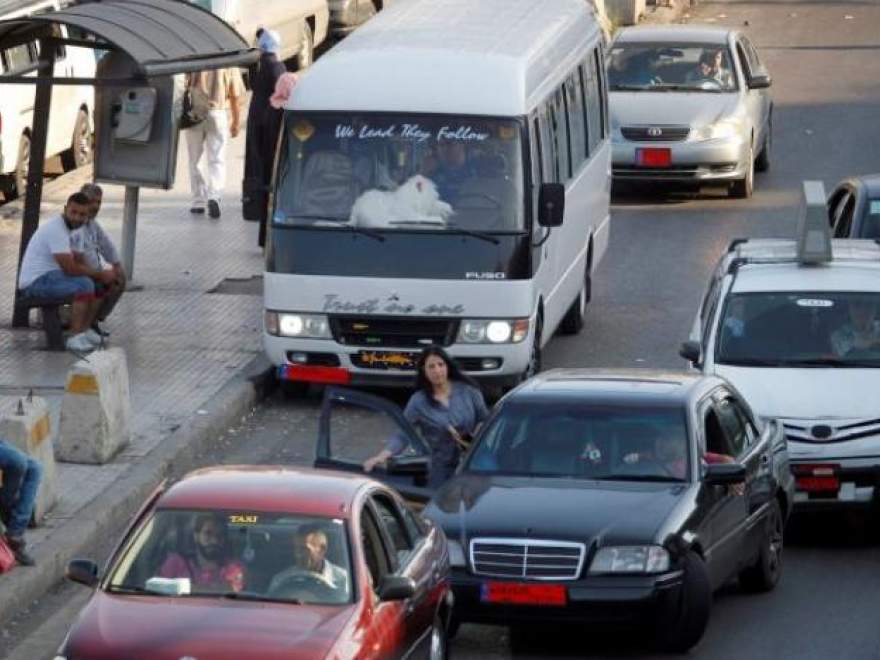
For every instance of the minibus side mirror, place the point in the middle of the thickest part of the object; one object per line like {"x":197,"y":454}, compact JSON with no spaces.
{"x":551,"y":204}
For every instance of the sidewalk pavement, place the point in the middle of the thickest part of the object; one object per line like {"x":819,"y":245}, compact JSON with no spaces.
{"x":194,"y":356}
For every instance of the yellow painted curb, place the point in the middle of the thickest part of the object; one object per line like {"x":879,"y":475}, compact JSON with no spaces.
{"x":40,"y":431}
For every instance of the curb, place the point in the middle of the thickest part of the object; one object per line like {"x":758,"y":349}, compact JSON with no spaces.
{"x":78,"y":537}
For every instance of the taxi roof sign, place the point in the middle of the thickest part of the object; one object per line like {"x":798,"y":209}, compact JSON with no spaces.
{"x":813,"y":232}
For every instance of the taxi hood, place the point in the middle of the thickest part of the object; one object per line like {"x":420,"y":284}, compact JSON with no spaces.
{"x":117,"y":626}
{"x":806,"y":393}
{"x":617,"y":512}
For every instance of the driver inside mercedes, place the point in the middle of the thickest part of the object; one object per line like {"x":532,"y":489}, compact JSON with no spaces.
{"x":310,"y":562}
{"x":669,"y":454}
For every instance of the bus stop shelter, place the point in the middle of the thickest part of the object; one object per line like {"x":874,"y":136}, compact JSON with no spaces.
{"x":162,"y":37}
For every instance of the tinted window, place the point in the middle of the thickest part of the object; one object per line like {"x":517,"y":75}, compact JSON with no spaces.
{"x":592,"y":87}
{"x":375,"y":552}
{"x":804,"y":328}
{"x":585,"y":442}
{"x":414,"y":526}
{"x":394,"y":526}
{"x":549,"y":162}
{"x":559,"y":127}
{"x":577,"y":119}
{"x":733,"y":426}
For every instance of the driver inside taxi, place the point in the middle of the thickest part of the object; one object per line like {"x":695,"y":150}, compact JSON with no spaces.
{"x":860,"y":332}
{"x":310,"y":562}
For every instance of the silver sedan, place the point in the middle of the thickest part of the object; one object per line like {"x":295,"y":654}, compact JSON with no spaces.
{"x":689,"y":104}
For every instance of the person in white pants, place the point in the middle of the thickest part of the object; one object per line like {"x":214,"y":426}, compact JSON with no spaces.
{"x":224,"y":88}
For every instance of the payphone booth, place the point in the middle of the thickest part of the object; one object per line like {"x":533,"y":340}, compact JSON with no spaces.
{"x":147,"y":46}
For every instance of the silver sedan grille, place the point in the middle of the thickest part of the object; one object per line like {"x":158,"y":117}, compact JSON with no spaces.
{"x":527,"y":558}
{"x":655,"y":133}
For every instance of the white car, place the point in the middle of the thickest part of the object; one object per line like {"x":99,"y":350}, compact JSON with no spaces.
{"x":795,"y":326}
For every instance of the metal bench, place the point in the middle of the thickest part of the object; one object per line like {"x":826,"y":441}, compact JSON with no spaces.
{"x":51,"y":318}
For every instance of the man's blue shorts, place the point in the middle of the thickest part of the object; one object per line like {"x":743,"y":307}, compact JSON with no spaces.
{"x":58,"y":284}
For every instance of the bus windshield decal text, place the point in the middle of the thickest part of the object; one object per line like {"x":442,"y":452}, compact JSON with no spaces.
{"x":409,"y":132}
{"x":333,"y":304}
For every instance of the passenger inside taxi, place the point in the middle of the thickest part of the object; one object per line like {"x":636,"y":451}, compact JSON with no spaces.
{"x":861,"y":330}
{"x":207,"y":563}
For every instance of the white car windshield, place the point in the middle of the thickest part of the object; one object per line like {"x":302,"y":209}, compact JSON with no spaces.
{"x":400,"y":172}
{"x":240,"y":555}
{"x":800,"y":329}
{"x":666,"y":67}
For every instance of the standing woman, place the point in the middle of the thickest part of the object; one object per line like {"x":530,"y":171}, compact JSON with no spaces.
{"x":263,"y":126}
{"x":446,"y":409}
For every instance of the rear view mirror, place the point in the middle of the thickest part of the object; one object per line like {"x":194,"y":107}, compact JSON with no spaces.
{"x":691,"y":351}
{"x":396,"y":587}
{"x":760,"y":80}
{"x":551,"y":204}
{"x":724,"y":474}
{"x":83,"y":571}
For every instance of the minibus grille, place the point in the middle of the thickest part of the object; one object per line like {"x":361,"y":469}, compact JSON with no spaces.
{"x":392,"y":332}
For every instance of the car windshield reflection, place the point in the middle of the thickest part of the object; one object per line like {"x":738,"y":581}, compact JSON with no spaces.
{"x":240,"y":555}
{"x":587,"y":443}
{"x":801,"y":329}
{"x":661,"y":67}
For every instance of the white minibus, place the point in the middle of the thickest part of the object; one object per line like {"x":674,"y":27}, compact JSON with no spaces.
{"x":419,"y":187}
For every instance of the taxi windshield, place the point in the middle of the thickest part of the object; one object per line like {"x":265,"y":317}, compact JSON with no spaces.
{"x":237,"y":555}
{"x":387,"y":172}
{"x":668,"y":67}
{"x":800,"y":329}
{"x":586,"y":442}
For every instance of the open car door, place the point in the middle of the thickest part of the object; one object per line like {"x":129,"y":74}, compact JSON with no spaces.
{"x":355,"y":426}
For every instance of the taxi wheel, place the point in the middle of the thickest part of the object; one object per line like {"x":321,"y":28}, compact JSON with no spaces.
{"x":764,"y":574}
{"x":439,"y":648}
{"x":743,"y":188}
{"x":678,"y":631}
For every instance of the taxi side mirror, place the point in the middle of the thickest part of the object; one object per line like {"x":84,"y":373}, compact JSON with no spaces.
{"x":691,"y":351}
{"x":396,"y":587}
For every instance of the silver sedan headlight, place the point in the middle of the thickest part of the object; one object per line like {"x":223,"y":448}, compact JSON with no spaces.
{"x":493,"y":331}
{"x":630,"y":559}
{"x":725,"y":129}
{"x":303,"y":326}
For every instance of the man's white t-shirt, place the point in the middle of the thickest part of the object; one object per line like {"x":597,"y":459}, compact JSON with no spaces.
{"x":51,"y":238}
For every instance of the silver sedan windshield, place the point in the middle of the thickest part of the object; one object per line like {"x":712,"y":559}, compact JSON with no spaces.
{"x":664,"y":67}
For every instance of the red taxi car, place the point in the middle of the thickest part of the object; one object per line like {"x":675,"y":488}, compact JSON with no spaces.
{"x":247,"y":562}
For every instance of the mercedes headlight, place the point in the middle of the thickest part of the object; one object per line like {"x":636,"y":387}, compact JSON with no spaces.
{"x":486,"y":331}
{"x":304,"y":326}
{"x":456,"y":554}
{"x":721,"y":130}
{"x":630,"y":559}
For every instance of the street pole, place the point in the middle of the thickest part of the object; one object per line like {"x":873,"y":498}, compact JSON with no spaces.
{"x":129,"y":231}
{"x":34,"y":189}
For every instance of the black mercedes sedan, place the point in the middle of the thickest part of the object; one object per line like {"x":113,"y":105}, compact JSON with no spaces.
{"x":607,"y":497}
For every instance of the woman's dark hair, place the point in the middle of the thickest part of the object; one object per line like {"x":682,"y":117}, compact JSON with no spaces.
{"x":453,"y":372}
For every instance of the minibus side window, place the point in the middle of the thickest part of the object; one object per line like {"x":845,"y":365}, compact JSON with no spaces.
{"x":549,"y":164}
{"x":537,"y":174}
{"x":577,"y":122}
{"x":601,"y":73}
{"x":594,"y":103}
{"x":560,"y":134}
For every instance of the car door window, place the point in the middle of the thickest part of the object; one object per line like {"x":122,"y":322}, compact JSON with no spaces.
{"x":414,"y":525}
{"x":747,"y":422}
{"x":375,"y":553}
{"x":391,"y":520}
{"x":743,"y":60}
{"x":733,"y":426}
{"x":751,"y":55}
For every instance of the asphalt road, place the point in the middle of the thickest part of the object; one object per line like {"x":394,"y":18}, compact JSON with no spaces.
{"x":826,"y":71}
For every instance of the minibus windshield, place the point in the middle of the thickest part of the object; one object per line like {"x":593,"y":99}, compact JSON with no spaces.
{"x":400,"y":173}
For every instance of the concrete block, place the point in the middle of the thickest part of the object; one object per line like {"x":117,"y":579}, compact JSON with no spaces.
{"x":29,"y":428}
{"x":96,"y":409}
{"x":625,"y":12}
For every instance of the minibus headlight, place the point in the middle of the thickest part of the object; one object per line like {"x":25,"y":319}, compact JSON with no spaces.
{"x":310,"y":326}
{"x":493,"y":331}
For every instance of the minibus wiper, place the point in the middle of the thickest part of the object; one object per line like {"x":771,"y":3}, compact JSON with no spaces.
{"x":342,"y":222}
{"x":455,"y":229}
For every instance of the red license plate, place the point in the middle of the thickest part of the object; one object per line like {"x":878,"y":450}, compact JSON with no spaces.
{"x":523,"y":594}
{"x":653,"y":157}
{"x":817,"y":478}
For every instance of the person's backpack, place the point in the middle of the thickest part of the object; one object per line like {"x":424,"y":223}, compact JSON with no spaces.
{"x":196,"y":106}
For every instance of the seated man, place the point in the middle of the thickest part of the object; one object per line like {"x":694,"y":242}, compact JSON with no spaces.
{"x":451,"y":169}
{"x":21,"y":479}
{"x":704,"y":71}
{"x":93,"y":247}
{"x":861,"y":332}
{"x":310,"y":560}
{"x":208,"y":567}
{"x":669,"y":454}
